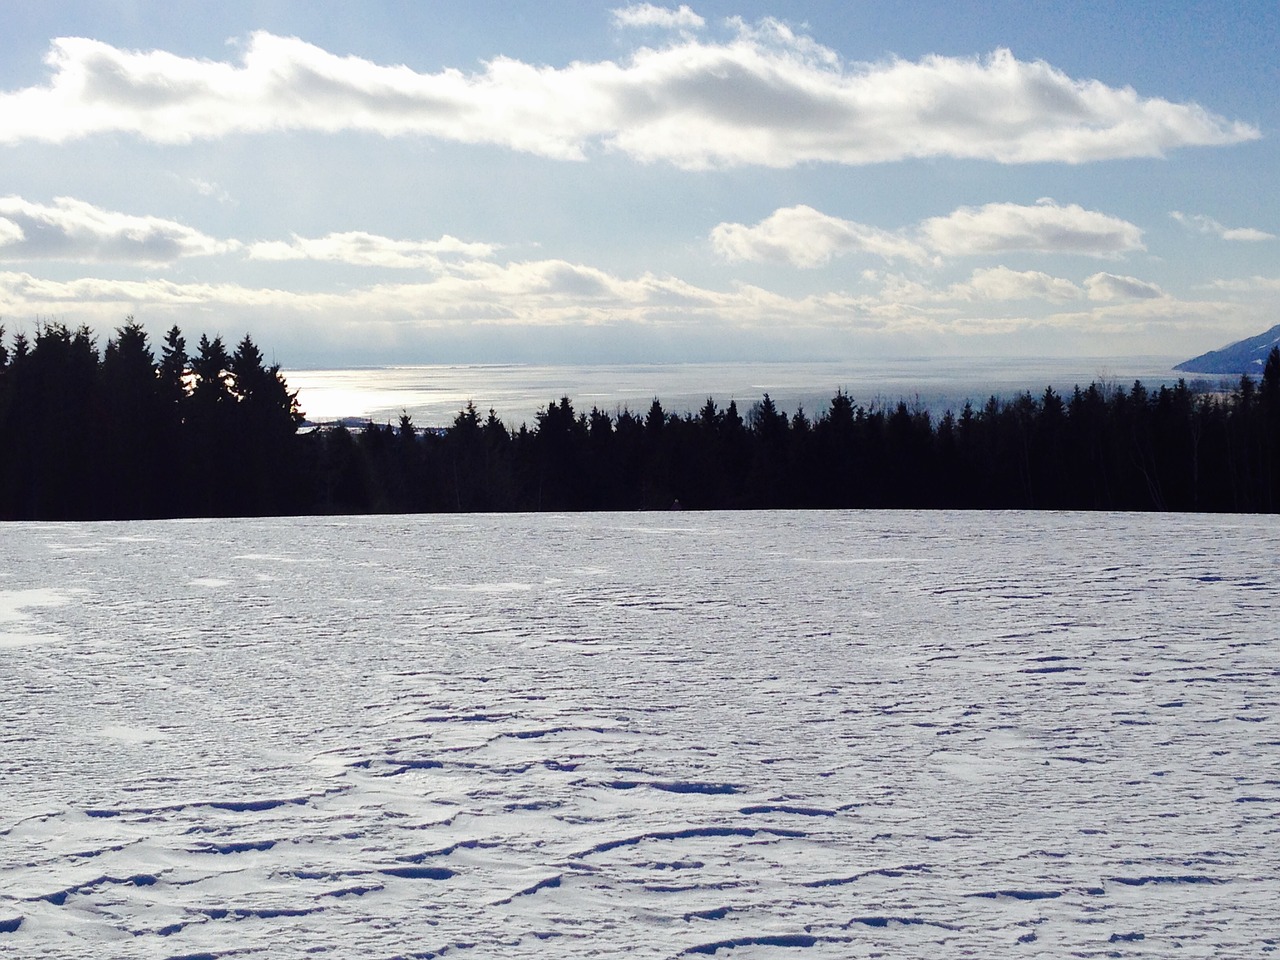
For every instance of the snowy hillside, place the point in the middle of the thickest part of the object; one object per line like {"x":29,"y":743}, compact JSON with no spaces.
{"x":1244,"y":356}
{"x":817,"y":735}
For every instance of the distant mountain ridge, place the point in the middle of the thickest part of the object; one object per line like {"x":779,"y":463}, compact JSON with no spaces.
{"x":1243,"y":356}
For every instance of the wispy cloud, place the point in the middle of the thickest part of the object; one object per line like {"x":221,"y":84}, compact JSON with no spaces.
{"x":1044,"y":227}
{"x":765,"y":96}
{"x":11,"y":234}
{"x":648,"y":15}
{"x":521,"y":306}
{"x":73,"y":230}
{"x":367,"y":249}
{"x":559,"y":293}
{"x":207,"y":188}
{"x":1002,"y":284}
{"x":544,"y":293}
{"x":1203,"y":224}
{"x":804,"y":237}
{"x":463,"y":285}
{"x":1254,"y":284}
{"x":991,"y":285}
{"x":1109,"y":286}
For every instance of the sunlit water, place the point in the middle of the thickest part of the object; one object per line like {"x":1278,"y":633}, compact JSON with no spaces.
{"x":433,"y":395}
{"x":749,"y":735}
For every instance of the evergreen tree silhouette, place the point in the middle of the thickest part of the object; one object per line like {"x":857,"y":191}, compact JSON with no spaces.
{"x":137,"y":454}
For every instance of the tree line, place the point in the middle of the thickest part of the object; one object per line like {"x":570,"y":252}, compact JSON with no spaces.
{"x":123,"y":433}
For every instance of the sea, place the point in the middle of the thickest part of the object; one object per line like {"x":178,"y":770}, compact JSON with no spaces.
{"x":433,"y":395}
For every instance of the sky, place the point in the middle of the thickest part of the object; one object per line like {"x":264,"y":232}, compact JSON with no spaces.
{"x":474,"y":182}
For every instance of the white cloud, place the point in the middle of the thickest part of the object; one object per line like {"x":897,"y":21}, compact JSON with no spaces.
{"x":1001,"y":283}
{"x":366,"y":249}
{"x":555,"y":293}
{"x":1109,"y":286}
{"x":1203,"y":224}
{"x":208,"y":189}
{"x":1146,"y":325}
{"x":10,"y":234}
{"x":766,"y":96}
{"x":496,"y":304}
{"x":465,"y":289}
{"x":545,"y":293}
{"x":805,"y":237}
{"x":77,"y":231}
{"x":1045,"y":227}
{"x":1248,"y":234}
{"x":1252,"y":284}
{"x":533,"y":293}
{"x":987,"y":285}
{"x":648,"y":15}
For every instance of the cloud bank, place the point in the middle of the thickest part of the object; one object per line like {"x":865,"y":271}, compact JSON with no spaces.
{"x":1002,"y":284}
{"x":1045,"y":227}
{"x":804,"y":237}
{"x":74,"y":230}
{"x":1108,"y":286}
{"x":647,"y":15}
{"x":464,"y":291}
{"x":765,"y":96}
{"x":370,"y":250}
{"x":1203,"y":224}
{"x":515,"y":309}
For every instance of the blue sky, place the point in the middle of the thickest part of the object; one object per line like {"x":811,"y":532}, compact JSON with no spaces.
{"x":480,"y":182}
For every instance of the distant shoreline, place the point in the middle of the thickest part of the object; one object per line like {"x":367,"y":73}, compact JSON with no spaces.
{"x":432,"y":394}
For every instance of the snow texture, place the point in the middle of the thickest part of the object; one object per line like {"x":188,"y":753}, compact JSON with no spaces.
{"x":810,"y":735}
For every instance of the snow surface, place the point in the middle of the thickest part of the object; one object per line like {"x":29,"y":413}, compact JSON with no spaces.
{"x":809,"y":735}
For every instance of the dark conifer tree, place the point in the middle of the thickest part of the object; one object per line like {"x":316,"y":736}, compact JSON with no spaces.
{"x":174,"y":367}
{"x":834,"y":445}
{"x":464,"y":463}
{"x":210,"y":451}
{"x":1269,"y":410}
{"x":766,"y":480}
{"x":265,"y":417}
{"x":137,"y":453}
{"x":559,"y":447}
{"x":52,"y":388}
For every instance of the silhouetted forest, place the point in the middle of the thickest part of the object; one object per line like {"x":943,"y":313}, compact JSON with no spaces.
{"x":124,"y":433}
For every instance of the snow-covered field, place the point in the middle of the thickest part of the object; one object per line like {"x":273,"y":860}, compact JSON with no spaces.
{"x":749,"y":735}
